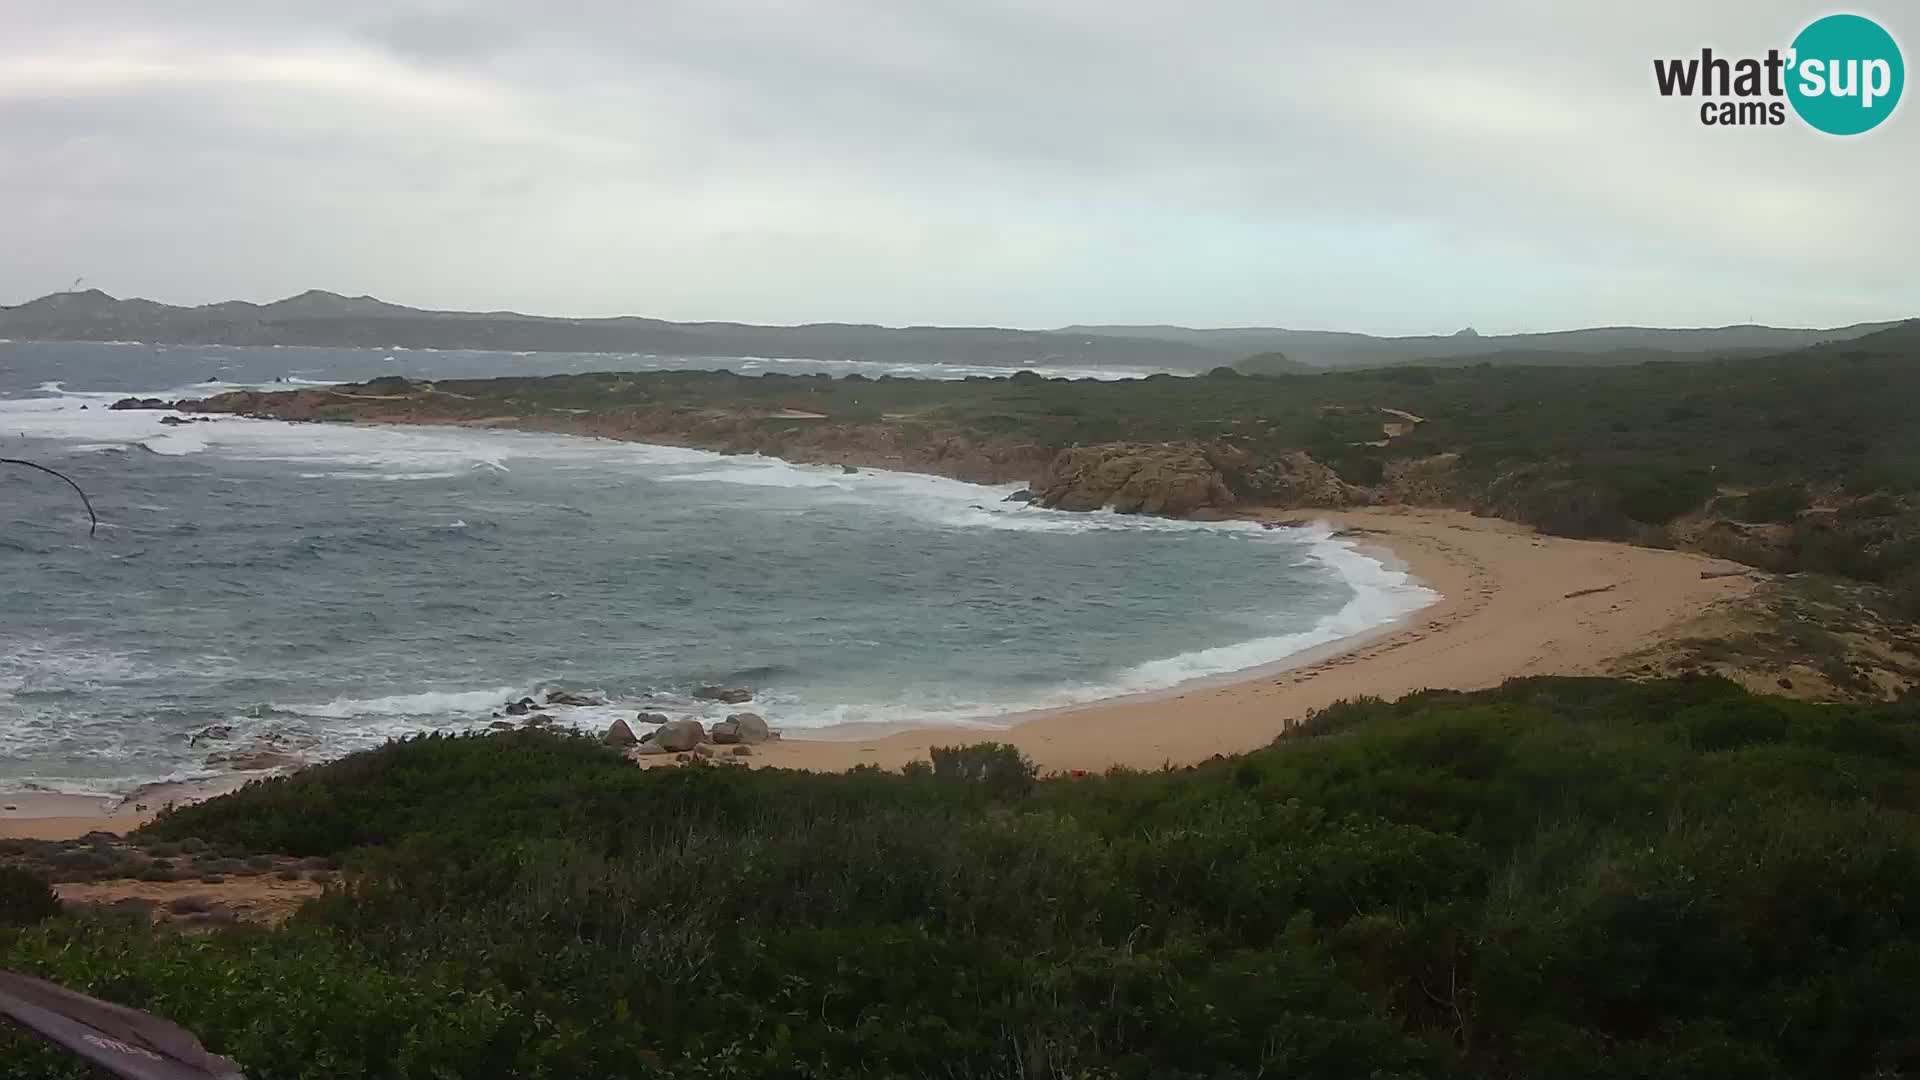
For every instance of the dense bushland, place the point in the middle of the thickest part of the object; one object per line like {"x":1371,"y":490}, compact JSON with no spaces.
{"x":1562,"y":877}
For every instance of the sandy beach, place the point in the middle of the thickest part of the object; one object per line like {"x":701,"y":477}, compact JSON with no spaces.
{"x":41,"y":816}
{"x":1513,"y":603}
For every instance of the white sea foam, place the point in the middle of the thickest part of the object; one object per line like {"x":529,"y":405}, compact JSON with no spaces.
{"x":761,"y":472}
{"x":432,"y":703}
{"x":1381,"y":596}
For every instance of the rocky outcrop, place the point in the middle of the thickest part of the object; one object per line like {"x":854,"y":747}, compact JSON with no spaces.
{"x":748,"y":728}
{"x":651,"y":718}
{"x":210,"y":733}
{"x":575,"y":698}
{"x":1179,"y":479}
{"x":619,"y":734}
{"x":140,"y":403}
{"x":1427,"y":481}
{"x":1288,"y":479}
{"x":678,"y":735}
{"x":725,"y":695}
{"x":1133,"y":478}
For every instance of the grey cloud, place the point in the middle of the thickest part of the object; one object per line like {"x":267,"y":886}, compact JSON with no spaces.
{"x":1392,"y":166}
{"x":450,"y":35}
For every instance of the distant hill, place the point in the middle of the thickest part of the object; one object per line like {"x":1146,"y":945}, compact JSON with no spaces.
{"x":323,"y":318}
{"x":1607,"y":344}
{"x":317,"y":317}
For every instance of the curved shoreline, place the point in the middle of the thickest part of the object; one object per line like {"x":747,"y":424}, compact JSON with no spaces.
{"x":1511,"y":603}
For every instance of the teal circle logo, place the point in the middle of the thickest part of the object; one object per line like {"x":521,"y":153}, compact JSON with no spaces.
{"x":1845,"y":75}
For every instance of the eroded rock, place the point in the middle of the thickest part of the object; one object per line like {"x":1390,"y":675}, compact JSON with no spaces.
{"x":748,"y":728}
{"x":726,"y":695}
{"x":576,"y":698}
{"x":678,"y":735}
{"x":1133,"y":478}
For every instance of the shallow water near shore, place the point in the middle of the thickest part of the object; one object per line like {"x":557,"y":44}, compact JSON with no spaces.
{"x":317,"y":589}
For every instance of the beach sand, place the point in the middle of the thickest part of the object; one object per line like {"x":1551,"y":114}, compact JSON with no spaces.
{"x":1513,"y":603}
{"x":1505,"y":611}
{"x":42,"y":816}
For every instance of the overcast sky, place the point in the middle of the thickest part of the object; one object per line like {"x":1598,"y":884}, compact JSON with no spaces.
{"x":1396,"y":167}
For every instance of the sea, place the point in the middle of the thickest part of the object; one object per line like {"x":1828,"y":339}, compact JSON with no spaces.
{"x":313,"y":590}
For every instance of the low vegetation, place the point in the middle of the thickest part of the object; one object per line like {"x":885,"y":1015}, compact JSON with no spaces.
{"x":1558,"y":878}
{"x":1805,"y":635}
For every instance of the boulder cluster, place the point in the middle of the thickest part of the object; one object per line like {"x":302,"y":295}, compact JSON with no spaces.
{"x":684,"y":736}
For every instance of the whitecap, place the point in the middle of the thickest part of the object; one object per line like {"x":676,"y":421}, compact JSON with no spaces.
{"x":429,"y":703}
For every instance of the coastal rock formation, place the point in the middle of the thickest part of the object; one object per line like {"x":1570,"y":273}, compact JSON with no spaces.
{"x":139,"y":403}
{"x":678,"y":735}
{"x":725,"y":695}
{"x":1177,"y":479}
{"x":619,"y":734}
{"x":575,"y":698}
{"x":1427,"y":481}
{"x":1024,"y":495}
{"x":1289,"y":479}
{"x":651,"y":718}
{"x":210,"y":733}
{"x":746,"y":727}
{"x":520,"y":708}
{"x":1133,"y":478}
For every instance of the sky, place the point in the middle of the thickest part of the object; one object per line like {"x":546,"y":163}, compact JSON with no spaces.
{"x":1388,"y":166}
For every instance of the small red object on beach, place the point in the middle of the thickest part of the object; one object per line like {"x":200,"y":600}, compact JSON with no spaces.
{"x":1077,"y":774}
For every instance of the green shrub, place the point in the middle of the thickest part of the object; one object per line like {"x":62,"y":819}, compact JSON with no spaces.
{"x":1781,"y":503}
{"x":25,"y":898}
{"x":999,"y":768}
{"x":1559,"y":877}
{"x":1657,"y":496}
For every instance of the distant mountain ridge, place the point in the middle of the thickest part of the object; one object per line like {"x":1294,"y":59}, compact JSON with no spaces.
{"x":318,"y":317}
{"x":1333,"y":348}
{"x":322,"y":318}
